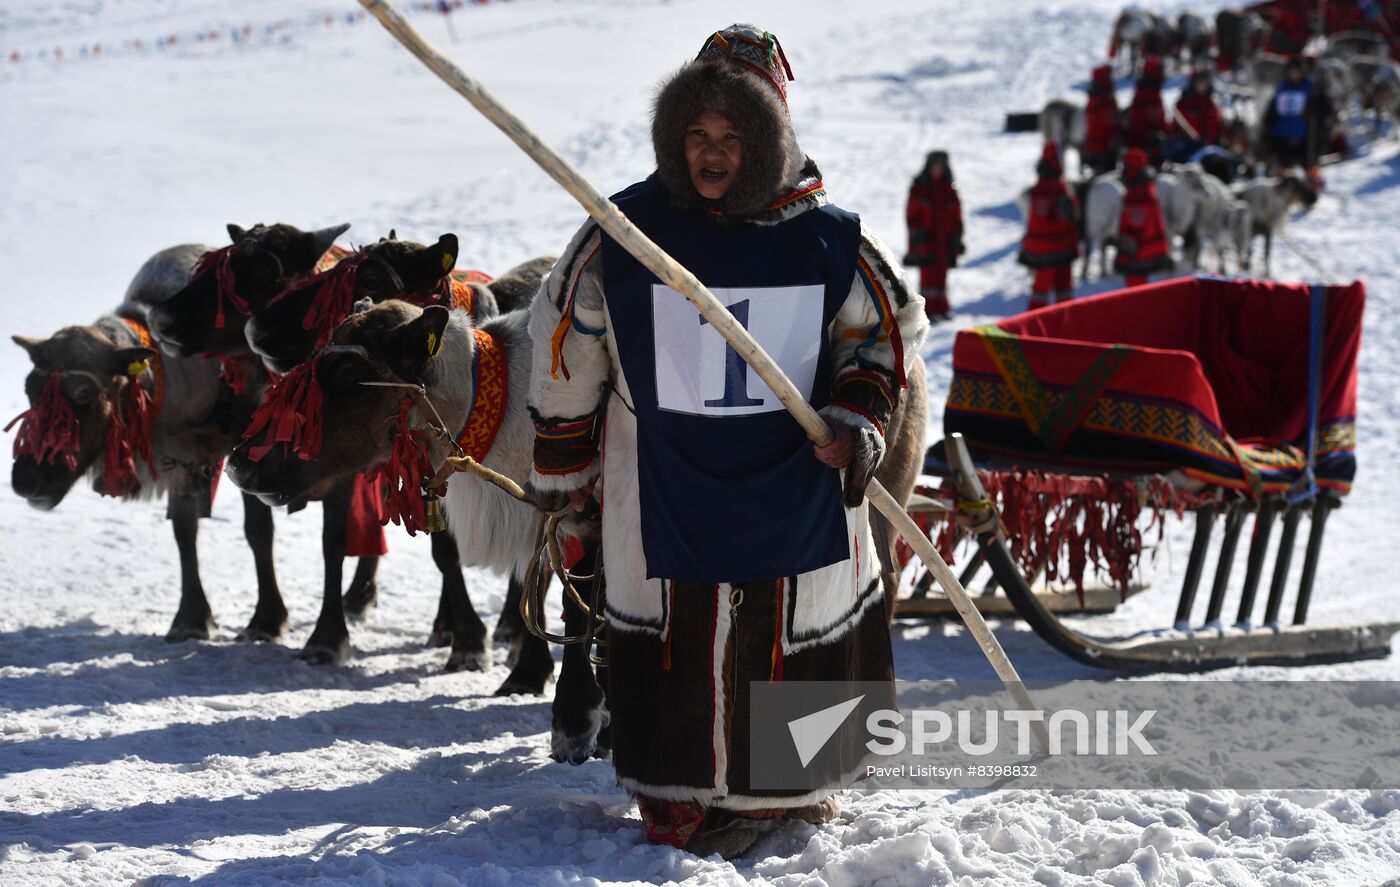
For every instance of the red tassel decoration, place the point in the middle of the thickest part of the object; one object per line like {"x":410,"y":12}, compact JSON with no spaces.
{"x":233,"y":373}
{"x":334,"y":292}
{"x":48,"y":431}
{"x":401,"y":478}
{"x":219,"y":263}
{"x":290,"y":412}
{"x":128,"y":438}
{"x":1070,"y":523}
{"x":332,"y":296}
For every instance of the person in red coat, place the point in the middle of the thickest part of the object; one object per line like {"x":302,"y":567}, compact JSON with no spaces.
{"x":1147,"y":119}
{"x":1103,"y":123}
{"x":1198,"y":109}
{"x":1051,"y":243}
{"x":935,"y":222}
{"x":1142,"y":233}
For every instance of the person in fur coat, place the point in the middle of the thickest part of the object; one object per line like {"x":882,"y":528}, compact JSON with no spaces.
{"x":934,"y":214}
{"x":735,"y":550}
{"x":1051,"y":243}
{"x":1143,"y":247}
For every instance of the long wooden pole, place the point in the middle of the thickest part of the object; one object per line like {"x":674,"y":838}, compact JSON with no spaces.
{"x":631,"y":238}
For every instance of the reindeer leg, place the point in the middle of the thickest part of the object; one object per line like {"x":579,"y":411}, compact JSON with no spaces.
{"x":270,"y":617}
{"x":441,"y":635}
{"x":533,"y":663}
{"x":510,"y":626}
{"x":193,"y":620}
{"x":580,"y":711}
{"x":330,"y":641}
{"x":363,"y":592}
{"x":469,"y":651}
{"x":1268,"y":254}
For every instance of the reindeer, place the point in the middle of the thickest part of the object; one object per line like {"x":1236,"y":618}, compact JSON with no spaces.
{"x":1379,"y":80}
{"x":1239,"y":35}
{"x":1346,"y":45}
{"x":1141,"y":34}
{"x":397,"y":342}
{"x":1223,"y":223}
{"x":286,"y":331}
{"x":1194,"y":37}
{"x":207,"y":315}
{"x":1062,"y":122}
{"x":105,"y":403}
{"x":1103,"y":213}
{"x":1269,"y":202}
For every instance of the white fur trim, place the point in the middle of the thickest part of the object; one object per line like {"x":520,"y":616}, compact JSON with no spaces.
{"x":830,"y":601}
{"x":564,"y":483}
{"x":635,"y":603}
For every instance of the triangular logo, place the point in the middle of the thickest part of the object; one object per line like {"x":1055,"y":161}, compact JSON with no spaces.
{"x":811,"y":732}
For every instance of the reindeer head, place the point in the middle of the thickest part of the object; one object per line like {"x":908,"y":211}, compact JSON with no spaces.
{"x":1298,"y":191}
{"x":343,"y":426}
{"x":208,"y":315}
{"x":78,"y":377}
{"x":298,"y":321}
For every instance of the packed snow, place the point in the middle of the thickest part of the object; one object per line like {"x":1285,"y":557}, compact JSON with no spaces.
{"x":127,"y":759}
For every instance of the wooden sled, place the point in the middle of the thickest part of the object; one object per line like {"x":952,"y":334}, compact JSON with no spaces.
{"x":1049,"y":417}
{"x":1212,"y":644}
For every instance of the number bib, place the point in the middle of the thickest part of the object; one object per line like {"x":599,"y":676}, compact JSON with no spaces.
{"x":699,"y":373}
{"x":729,"y":487}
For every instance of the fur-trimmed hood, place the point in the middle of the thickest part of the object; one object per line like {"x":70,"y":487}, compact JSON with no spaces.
{"x":772,"y":163}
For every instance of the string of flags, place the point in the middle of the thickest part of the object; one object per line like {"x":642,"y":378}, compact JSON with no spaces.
{"x":247,"y":34}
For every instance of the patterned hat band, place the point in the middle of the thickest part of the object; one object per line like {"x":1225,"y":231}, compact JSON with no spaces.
{"x":757,"y":50}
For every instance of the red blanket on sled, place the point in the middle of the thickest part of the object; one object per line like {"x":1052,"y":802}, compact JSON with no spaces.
{"x":1203,"y":375}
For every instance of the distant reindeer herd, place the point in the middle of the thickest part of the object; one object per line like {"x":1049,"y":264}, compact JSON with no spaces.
{"x":1217,"y":208}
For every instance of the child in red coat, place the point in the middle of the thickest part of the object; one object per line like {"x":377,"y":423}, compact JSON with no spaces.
{"x":1051,"y":243}
{"x":1142,"y":232}
{"x":1103,"y":123}
{"x":1147,"y":119}
{"x":935,"y":222}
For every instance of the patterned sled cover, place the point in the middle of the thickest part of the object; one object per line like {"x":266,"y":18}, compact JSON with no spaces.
{"x":1202,"y":375}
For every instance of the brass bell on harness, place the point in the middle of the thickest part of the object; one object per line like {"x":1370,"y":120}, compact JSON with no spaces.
{"x":434,"y":521}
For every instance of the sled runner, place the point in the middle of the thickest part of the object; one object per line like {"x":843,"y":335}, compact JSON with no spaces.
{"x":1229,"y":399}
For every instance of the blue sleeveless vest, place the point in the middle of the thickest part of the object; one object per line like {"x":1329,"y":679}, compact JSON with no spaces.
{"x":729,"y":488}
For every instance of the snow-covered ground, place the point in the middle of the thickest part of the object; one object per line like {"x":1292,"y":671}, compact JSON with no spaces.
{"x":123,"y":758}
